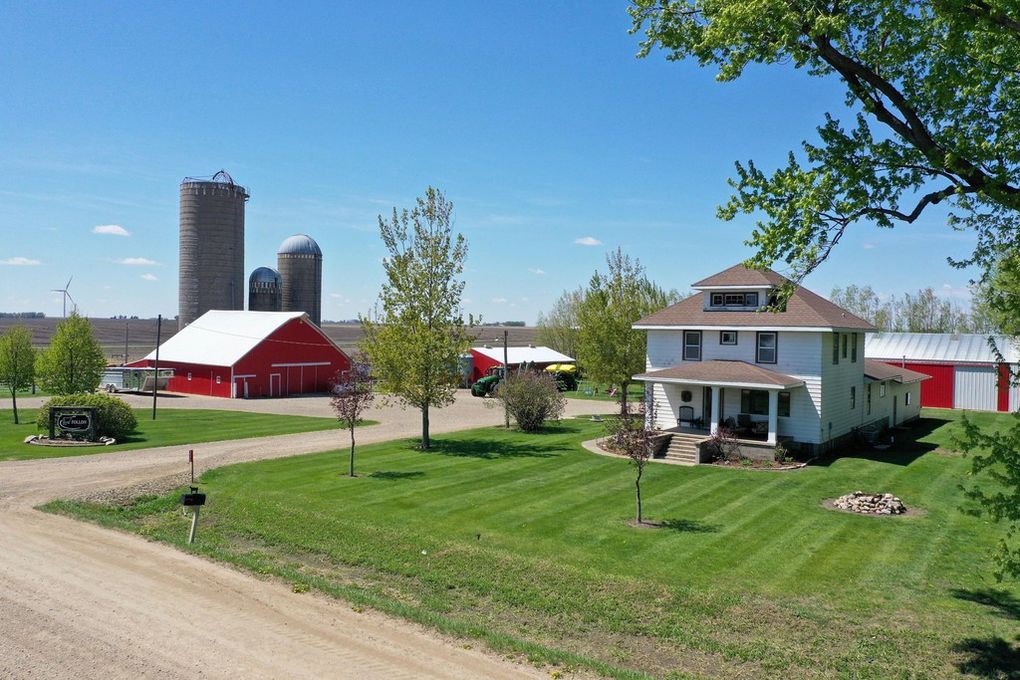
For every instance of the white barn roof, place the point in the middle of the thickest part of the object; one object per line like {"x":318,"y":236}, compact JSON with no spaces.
{"x":520,"y":355}
{"x":220,"y":337}
{"x":948,"y":347}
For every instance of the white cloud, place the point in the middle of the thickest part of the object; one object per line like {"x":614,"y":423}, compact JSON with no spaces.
{"x":20,"y":261}
{"x":869,"y":246}
{"x":149,"y":277}
{"x":499,"y":300}
{"x":137,"y":261}
{"x":111,"y":229}
{"x":587,"y":241}
{"x":537,"y":271}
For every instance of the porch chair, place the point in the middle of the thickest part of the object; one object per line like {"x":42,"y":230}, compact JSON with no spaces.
{"x":685,"y":415}
{"x":744,"y":424}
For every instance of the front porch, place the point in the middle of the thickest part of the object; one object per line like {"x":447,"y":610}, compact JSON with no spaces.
{"x":700,"y":398}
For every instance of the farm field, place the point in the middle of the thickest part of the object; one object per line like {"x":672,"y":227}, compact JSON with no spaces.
{"x":524,"y":542}
{"x":172,"y":427}
{"x":142,"y":334}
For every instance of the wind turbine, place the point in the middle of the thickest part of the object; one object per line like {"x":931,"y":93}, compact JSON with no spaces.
{"x":66,"y":295}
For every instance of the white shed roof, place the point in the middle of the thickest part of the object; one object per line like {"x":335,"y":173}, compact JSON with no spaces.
{"x":949,"y":347}
{"x":520,"y":355}
{"x":220,"y":337}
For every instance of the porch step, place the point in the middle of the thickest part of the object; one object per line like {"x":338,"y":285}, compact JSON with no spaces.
{"x":683,"y":448}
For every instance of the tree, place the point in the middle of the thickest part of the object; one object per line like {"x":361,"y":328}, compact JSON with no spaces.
{"x":865,"y":303}
{"x":352,"y":395}
{"x":559,"y":327}
{"x":416,"y":342}
{"x":632,"y":435}
{"x":608,"y":349}
{"x":17,"y":362}
{"x":925,"y":312}
{"x":932,"y":85}
{"x":74,"y":361}
{"x":999,"y":296}
{"x":531,"y":397}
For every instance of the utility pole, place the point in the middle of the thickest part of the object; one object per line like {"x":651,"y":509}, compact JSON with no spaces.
{"x":506,"y":374}
{"x":155,"y":376}
{"x":126,"y":334}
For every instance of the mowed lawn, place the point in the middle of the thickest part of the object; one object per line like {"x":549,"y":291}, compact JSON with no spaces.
{"x":171,"y":427}
{"x":523,"y":541}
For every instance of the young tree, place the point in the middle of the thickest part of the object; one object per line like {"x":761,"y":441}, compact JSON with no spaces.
{"x":17,"y":362}
{"x":631,"y":434}
{"x":74,"y":361}
{"x":417,"y":340}
{"x":352,"y":396}
{"x":933,"y":83}
{"x":608,"y":349}
{"x":559,"y":327}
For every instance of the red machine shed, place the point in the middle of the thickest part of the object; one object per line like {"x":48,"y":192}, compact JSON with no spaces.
{"x":487,"y":356}
{"x":243,"y":354}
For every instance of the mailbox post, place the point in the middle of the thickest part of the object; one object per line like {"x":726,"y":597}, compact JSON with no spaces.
{"x":193,"y":500}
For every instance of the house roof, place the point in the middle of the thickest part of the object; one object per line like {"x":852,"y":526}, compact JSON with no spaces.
{"x":804,"y":309}
{"x":878,"y":371}
{"x":739,"y":275}
{"x":222,"y":338}
{"x":948,"y":347}
{"x":721,"y":372}
{"x":521,"y":355}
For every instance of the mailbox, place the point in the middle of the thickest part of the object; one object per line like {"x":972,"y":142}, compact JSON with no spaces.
{"x":193,"y":499}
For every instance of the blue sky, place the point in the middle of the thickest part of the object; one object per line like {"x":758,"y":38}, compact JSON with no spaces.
{"x":535,"y":118}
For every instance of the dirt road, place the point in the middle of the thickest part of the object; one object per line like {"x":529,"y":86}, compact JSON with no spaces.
{"x":78,"y":601}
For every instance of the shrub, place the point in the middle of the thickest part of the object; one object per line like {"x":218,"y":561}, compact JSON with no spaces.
{"x":782,"y":455}
{"x":723,"y":445}
{"x":531,"y":398}
{"x":114,"y":418}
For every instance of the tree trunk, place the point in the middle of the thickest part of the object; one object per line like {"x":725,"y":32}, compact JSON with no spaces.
{"x":352,"y":449}
{"x":425,"y":443}
{"x":637,"y":487}
{"x":14,"y":404}
{"x":623,"y":398}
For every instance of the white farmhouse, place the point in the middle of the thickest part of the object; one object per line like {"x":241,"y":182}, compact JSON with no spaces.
{"x":796,"y":376}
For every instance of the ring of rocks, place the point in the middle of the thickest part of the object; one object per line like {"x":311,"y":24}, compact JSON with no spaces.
{"x":875,"y":504}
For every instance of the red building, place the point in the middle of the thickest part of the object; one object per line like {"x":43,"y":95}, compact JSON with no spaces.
{"x":249,"y":354}
{"x":485,"y":357}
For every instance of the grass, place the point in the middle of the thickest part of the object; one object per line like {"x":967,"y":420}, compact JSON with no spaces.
{"x":523,"y":542}
{"x":171,"y":427}
{"x":600,"y":392}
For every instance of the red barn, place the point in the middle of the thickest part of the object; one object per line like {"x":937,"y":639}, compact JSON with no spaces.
{"x":249,"y":354}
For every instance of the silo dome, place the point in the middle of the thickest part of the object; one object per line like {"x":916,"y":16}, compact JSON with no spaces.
{"x":264,"y":275}
{"x":299,"y":244}
{"x":264,"y":290}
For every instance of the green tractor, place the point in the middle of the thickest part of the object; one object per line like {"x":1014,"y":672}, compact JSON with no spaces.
{"x":565,"y":376}
{"x":486,"y":386}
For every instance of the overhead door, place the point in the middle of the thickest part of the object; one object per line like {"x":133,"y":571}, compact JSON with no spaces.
{"x":975,"y":387}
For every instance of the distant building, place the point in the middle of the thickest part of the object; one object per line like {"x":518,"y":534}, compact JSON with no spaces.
{"x":489,"y":356}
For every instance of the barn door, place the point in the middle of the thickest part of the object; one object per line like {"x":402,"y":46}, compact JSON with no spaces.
{"x":274,"y":384}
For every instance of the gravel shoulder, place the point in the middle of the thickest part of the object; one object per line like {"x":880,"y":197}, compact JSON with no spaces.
{"x":82,"y":601}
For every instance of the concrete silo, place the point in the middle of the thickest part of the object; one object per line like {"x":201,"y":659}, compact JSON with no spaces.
{"x":264,"y":290}
{"x":212,"y":246}
{"x":299,"y":261}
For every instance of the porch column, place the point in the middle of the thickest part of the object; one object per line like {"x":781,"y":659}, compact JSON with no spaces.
{"x":714,"y":424}
{"x":773,"y":417}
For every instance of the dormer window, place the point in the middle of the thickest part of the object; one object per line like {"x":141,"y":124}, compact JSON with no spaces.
{"x":734,"y":300}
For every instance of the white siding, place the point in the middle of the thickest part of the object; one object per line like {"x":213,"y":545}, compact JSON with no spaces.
{"x":975,"y":387}
{"x":799,"y":355}
{"x":1014,"y":394}
{"x":837,"y":418}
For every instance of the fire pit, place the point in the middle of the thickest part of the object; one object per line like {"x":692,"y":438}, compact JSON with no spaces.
{"x":870,"y":503}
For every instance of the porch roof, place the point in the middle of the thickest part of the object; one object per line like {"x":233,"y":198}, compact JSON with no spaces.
{"x":723,"y":373}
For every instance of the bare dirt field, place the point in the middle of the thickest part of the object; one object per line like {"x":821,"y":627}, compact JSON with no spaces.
{"x":78,"y":600}
{"x":141,"y":334}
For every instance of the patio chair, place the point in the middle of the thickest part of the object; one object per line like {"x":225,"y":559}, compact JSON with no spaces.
{"x":744,"y":423}
{"x":685,"y":415}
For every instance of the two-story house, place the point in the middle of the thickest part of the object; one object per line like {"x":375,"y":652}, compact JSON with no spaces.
{"x":719,"y":358}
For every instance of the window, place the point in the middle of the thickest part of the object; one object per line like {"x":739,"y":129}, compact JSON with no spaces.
{"x":727,"y":337}
{"x":189,"y":376}
{"x":844,"y":345}
{"x":853,"y":348}
{"x":734,"y":299}
{"x":784,"y":405}
{"x":881,"y":390}
{"x":755,"y":402}
{"x":766,"y":348}
{"x":835,"y":348}
{"x":867,"y":398}
{"x":750,"y":299}
{"x":218,"y":380}
{"x":686,"y":396}
{"x":717,"y":299}
{"x":906,"y":399}
{"x":853,"y":397}
{"x":692,"y":345}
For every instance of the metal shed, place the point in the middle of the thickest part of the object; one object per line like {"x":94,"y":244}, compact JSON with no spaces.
{"x":966,"y":372}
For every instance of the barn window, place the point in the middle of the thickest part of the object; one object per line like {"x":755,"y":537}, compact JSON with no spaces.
{"x":189,"y":376}
{"x":218,"y":380}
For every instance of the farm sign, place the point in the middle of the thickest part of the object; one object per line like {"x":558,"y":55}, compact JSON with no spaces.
{"x":73,"y":422}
